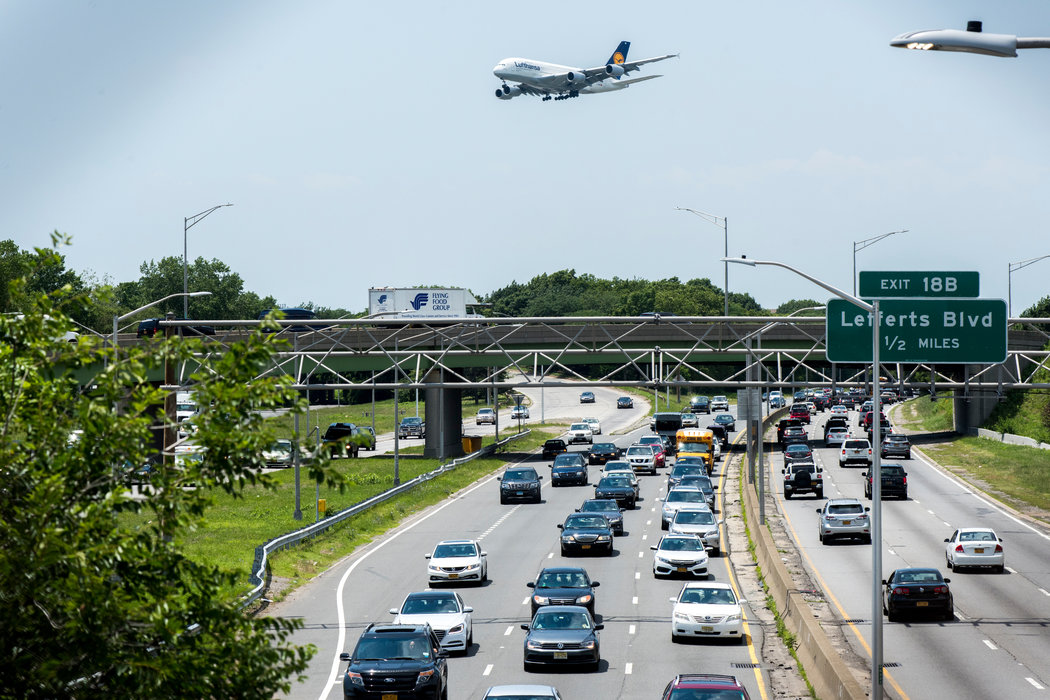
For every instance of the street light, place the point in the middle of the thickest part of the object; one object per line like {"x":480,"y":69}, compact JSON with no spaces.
{"x":973,"y":40}
{"x":188,"y":223}
{"x":1010,"y":270}
{"x":861,"y":245}
{"x":711,"y":218}
{"x":118,"y":319}
{"x":876,"y":466}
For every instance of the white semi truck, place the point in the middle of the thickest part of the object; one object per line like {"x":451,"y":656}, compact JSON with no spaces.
{"x":421,"y":302}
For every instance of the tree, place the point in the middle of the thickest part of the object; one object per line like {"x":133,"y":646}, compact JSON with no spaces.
{"x":94,"y":608}
{"x":43,"y":270}
{"x":789,"y":307}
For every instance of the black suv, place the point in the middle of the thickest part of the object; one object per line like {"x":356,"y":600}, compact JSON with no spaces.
{"x":569,"y":468}
{"x":412,"y":426}
{"x":351,"y":437}
{"x":405,"y":661}
{"x":553,"y":448}
{"x":603,"y":452}
{"x":803,"y":477}
{"x":519,"y":484}
{"x":700,"y":404}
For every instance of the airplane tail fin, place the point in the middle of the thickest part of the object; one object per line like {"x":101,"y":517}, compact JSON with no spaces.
{"x":620,"y":54}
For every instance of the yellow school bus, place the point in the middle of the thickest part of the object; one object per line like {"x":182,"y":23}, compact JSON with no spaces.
{"x":693,"y":442}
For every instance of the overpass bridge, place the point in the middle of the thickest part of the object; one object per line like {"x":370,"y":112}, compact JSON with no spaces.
{"x":444,"y":357}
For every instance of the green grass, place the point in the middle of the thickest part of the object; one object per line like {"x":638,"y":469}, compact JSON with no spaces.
{"x":1022,"y":413}
{"x":927,"y":416}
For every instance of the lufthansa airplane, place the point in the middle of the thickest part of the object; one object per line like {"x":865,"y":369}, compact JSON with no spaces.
{"x":549,"y":80}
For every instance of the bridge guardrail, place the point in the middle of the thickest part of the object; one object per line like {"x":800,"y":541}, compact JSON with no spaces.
{"x":263,"y":551}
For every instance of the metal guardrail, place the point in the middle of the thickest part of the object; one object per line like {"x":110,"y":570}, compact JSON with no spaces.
{"x":263,"y":551}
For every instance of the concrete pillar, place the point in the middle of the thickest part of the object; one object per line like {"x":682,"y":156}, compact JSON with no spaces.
{"x":444,"y":417}
{"x":973,"y":406}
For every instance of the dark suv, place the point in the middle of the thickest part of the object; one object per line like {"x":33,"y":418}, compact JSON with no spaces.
{"x":519,"y":484}
{"x":412,"y":426}
{"x":704,"y":685}
{"x":700,"y":404}
{"x":345,"y":439}
{"x":404,"y":661}
{"x":569,"y":468}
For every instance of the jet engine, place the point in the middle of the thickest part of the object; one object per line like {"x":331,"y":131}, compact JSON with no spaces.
{"x":505,"y":92}
{"x":574,"y":77}
{"x":614,"y":70}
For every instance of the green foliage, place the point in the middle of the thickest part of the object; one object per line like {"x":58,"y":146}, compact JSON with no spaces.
{"x":789,"y":307}
{"x":92,"y":609}
{"x":564,"y":293}
{"x":1041,"y":309}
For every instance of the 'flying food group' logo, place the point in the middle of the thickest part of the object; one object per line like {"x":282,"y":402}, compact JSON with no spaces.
{"x":382,"y":298}
{"x":618,"y":58}
{"x":420,"y":301}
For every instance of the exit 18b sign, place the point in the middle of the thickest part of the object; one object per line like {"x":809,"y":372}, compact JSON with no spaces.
{"x":950,"y":331}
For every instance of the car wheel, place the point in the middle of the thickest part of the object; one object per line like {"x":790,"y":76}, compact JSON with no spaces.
{"x":539,"y":497}
{"x":663,"y":524}
{"x":564,"y":552}
{"x":502,"y":501}
{"x":892,"y":616}
{"x":526,"y":666}
{"x":949,"y":614}
{"x":444,"y":693}
{"x":716,"y":552}
{"x":485,"y":574}
{"x":904,"y":496}
{"x":867,"y":539}
{"x":674,"y":638}
{"x":787,"y":495}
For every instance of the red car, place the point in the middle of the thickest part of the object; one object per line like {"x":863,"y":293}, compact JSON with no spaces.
{"x":704,"y":686}
{"x":654,"y":441}
{"x":800,"y":412}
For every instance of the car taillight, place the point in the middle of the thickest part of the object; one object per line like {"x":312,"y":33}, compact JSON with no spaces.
{"x":869,"y":451}
{"x":904,"y":480}
{"x":940,"y":589}
{"x":819,"y":475}
{"x":998,"y":549}
{"x":958,"y":548}
{"x":901,"y":591}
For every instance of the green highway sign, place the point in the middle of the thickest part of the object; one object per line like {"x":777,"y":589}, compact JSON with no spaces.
{"x":911,"y":284}
{"x":943,"y":331}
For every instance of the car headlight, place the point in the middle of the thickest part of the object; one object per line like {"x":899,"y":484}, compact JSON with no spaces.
{"x":541,"y":600}
{"x":424,"y":676}
{"x":682,"y":617}
{"x":589,"y":644}
{"x":457,"y":629}
{"x":568,"y":538}
{"x":736,"y":617}
{"x":662,"y":560}
{"x":603,"y":538}
{"x":535,"y":646}
{"x":584,"y":599}
{"x":432,"y":567}
{"x":355,"y":679}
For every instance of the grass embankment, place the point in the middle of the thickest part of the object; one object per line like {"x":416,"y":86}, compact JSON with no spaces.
{"x":235,"y":526}
{"x":1016,"y":474}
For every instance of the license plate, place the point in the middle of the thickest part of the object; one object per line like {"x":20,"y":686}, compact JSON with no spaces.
{"x":561,"y":655}
{"x":978,"y":550}
{"x":682,"y":569}
{"x":453,"y":575}
{"x":520,"y":493}
{"x":921,"y":604}
{"x":707,"y":628}
{"x":389,"y":696}
{"x":585,"y":546}
{"x":846,"y":522}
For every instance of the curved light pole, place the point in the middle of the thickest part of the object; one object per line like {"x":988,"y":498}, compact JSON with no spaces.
{"x":1010,"y":270}
{"x":711,"y":218}
{"x":188,"y":223}
{"x":876,"y":467}
{"x":973,"y":40}
{"x":861,"y":245}
{"x":118,"y":319}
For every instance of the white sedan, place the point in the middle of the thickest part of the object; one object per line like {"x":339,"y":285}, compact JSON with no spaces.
{"x":457,"y":560}
{"x":596,"y":425}
{"x":707,"y":609}
{"x":974,"y":546}
{"x":580,"y":432}
{"x":444,"y":612}
{"x":679,"y":554}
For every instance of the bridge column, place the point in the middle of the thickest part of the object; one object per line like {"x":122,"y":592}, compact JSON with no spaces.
{"x":444,"y":416}
{"x":973,"y":408}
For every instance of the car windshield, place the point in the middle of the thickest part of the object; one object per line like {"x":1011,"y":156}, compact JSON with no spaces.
{"x":614,"y":481}
{"x":695,"y":517}
{"x":687,"y":470}
{"x":797,"y":449}
{"x":708,"y":596}
{"x":455,"y":550}
{"x":485,"y":410}
{"x":430,"y":605}
{"x":681,"y":544}
{"x":604,"y":447}
{"x":845,"y":508}
{"x":583,"y":520}
{"x":520,"y":474}
{"x":579,"y":426}
{"x":600,"y":506}
{"x":373,"y":649}
{"x":685,"y":497}
{"x":561,"y":621}
{"x":562,"y":579}
{"x":567,"y":459}
{"x":688,"y":461}
{"x":699,"y":481}
{"x":724,"y":418}
{"x":692,"y":447}
{"x":411,"y":421}
{"x":919,"y":577}
{"x":644,"y":451}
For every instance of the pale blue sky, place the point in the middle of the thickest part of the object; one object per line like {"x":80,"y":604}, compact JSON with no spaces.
{"x":362,"y":145}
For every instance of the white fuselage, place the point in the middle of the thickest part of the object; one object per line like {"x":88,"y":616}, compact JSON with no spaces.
{"x":540,"y":75}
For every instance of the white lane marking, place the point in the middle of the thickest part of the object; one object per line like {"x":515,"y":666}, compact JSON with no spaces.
{"x":500,"y":521}
{"x":1035,"y":684}
{"x":1044,"y":591}
{"x":641,"y":554}
{"x":551,"y":555}
{"x":916,"y":500}
{"x":988,"y":643}
{"x":946,"y":524}
{"x":645,"y":537}
{"x":629,"y":667}
{"x":648,"y":522}
{"x":631,"y":629}
{"x":891,"y":552}
{"x":509,"y":630}
{"x":525,"y":602}
{"x":339,"y":608}
{"x":638,"y":575}
{"x":929,"y":511}
{"x":1011,"y":570}
{"x":653,"y":509}
{"x":634,"y":600}
{"x":487,"y":671}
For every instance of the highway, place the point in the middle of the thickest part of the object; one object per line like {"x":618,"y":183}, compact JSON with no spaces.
{"x":520,"y":539}
{"x":999,"y":643}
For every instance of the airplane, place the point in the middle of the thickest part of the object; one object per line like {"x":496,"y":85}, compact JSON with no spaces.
{"x":552,"y":81}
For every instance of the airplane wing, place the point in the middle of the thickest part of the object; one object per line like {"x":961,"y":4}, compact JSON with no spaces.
{"x":594,"y":75}
{"x":629,"y":66}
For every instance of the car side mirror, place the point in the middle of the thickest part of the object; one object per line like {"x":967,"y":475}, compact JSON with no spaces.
{"x":652,"y":547}
{"x":820,"y":510}
{"x":393,"y":611}
{"x":595,"y":584}
{"x":945,"y":539}
{"x":345,"y":656}
{"x":599,"y":627}
{"x":426,"y":556}
{"x":499,"y":478}
{"x":560,"y":526}
{"x":883,"y":582}
{"x":484,"y":553}
{"x":525,"y":627}
{"x":714,"y":487}
{"x":673,"y":600}
{"x":947,"y":580}
{"x":468,"y":609}
{"x":530,"y":584}
{"x":867,"y":509}
{"x":741,"y":601}
{"x":539,"y":477}
{"x":577,"y":510}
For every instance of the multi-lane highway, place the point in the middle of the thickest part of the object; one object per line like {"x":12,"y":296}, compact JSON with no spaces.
{"x":999,"y":643}
{"x":638,"y":656}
